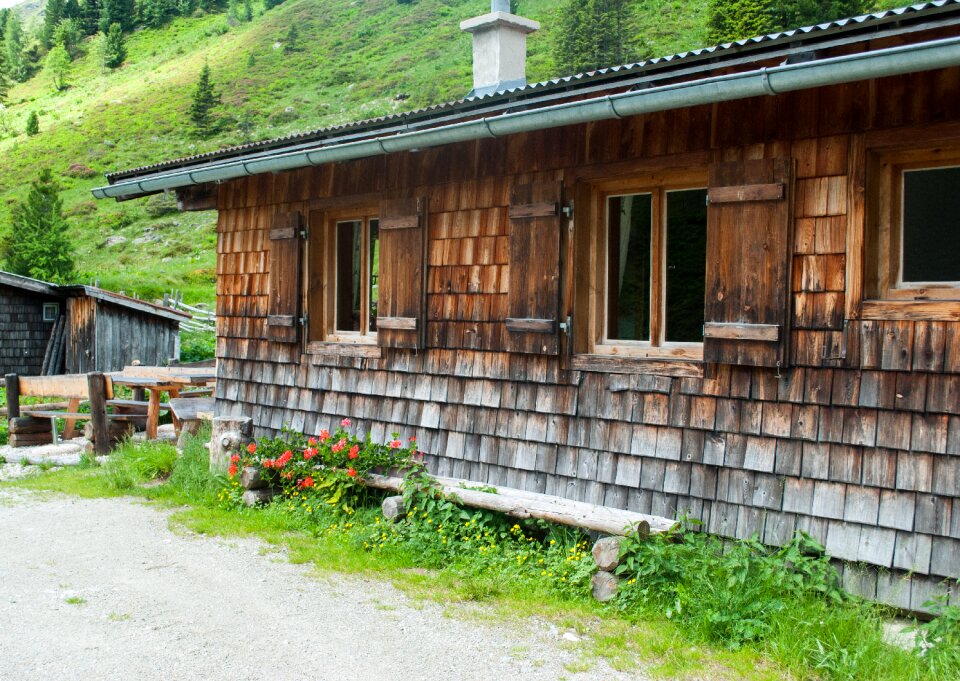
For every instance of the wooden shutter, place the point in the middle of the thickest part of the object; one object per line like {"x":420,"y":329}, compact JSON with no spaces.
{"x":749,"y":244}
{"x":401,"y":317}
{"x":534,"y":295}
{"x":283,"y":317}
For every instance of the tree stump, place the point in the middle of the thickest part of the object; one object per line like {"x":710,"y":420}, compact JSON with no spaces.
{"x":250,"y":478}
{"x":229,"y":435}
{"x":255,"y":497}
{"x":604,"y":586}
{"x":606,"y":553}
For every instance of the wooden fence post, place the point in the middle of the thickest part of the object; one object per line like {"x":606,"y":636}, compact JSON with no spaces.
{"x":13,"y":395}
{"x":97,"y":392}
{"x":229,"y":435}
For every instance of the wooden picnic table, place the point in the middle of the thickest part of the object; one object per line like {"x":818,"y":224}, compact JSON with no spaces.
{"x":171,"y":382}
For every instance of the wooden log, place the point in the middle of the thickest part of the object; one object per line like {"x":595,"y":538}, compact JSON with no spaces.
{"x":30,"y":439}
{"x":49,"y":406}
{"x":519,"y":504}
{"x":393,"y":508}
{"x":606,"y":553}
{"x":188,"y":429}
{"x":97,"y":393}
{"x":603,"y":586}
{"x":228,"y":436}
{"x":12,"y":382}
{"x":23,"y":425}
{"x":255,"y":497}
{"x":250,"y":478}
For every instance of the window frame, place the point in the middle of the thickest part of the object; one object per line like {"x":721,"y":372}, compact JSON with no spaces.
{"x":323,"y":336}
{"x":658,"y":184}
{"x":884,"y":256}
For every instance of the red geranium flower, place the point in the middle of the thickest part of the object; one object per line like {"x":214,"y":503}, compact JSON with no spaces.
{"x":252,"y":447}
{"x":235,"y":458}
{"x":355,"y":451}
{"x":312,"y":442}
{"x":396,"y":444}
{"x":232,"y":470}
{"x":324,"y":435}
{"x":337,"y":448}
{"x":345,"y":423}
{"x":352,"y":473}
{"x":306,"y":482}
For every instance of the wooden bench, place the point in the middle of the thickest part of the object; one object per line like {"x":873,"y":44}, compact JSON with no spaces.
{"x":27,"y":426}
{"x":190,"y":412}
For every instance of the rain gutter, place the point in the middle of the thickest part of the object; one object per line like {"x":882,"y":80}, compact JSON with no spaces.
{"x":774,"y":80}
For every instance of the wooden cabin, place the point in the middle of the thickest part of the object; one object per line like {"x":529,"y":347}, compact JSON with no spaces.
{"x":48,"y":329}
{"x":724,"y":284}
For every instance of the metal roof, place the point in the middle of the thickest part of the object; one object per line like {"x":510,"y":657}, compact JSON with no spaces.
{"x":74,"y":290}
{"x":784,"y":43}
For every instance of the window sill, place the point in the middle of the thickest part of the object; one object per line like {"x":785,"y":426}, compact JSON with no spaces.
{"x":364,"y":348}
{"x":618,"y":364}
{"x":915,"y":310}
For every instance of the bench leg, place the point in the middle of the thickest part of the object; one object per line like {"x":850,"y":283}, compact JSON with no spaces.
{"x":175,"y":392}
{"x":153,"y":413}
{"x":53,"y":432}
{"x":69,"y":425}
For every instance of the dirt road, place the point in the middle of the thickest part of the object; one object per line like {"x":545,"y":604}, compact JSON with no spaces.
{"x":103,"y":589}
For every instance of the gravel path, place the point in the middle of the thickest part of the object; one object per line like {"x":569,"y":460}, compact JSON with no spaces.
{"x":102,"y":589}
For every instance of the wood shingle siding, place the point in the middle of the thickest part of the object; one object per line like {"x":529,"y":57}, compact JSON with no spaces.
{"x":856,"y":441}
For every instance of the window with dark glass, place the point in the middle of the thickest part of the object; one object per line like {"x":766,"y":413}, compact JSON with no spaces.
{"x":357,"y":251}
{"x":930,"y":238}
{"x":656,"y":259}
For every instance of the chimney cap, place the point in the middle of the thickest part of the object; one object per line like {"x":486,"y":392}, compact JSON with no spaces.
{"x":521,"y":24}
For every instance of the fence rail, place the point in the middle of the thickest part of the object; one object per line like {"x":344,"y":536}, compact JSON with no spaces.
{"x":204,"y":319}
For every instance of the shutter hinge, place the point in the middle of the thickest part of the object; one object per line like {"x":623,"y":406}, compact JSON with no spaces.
{"x":568,"y":210}
{"x":303,"y":321}
{"x":304,"y":234}
{"x":567,"y":326}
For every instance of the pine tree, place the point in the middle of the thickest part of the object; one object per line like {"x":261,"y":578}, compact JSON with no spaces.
{"x":71,"y":10}
{"x":247,"y":10}
{"x":90,"y":16}
{"x":33,"y":124}
{"x":13,"y":47}
{"x":38,"y":246}
{"x":114,"y":47}
{"x":205,"y":99}
{"x":117,"y":12}
{"x":731,"y":20}
{"x":52,"y":16}
{"x":593,"y":34}
{"x":290,"y":42}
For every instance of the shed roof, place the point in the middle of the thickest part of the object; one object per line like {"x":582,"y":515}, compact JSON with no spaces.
{"x":78,"y":290}
{"x":683,"y":67}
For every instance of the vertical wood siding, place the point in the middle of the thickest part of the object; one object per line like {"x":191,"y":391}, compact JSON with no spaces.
{"x":858,"y":444}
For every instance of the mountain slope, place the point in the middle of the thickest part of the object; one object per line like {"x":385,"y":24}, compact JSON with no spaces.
{"x":352,"y":61}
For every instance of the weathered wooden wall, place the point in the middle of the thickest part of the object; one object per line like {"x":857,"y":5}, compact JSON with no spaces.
{"x":107,"y":337}
{"x":124,"y":335}
{"x":23,"y":333}
{"x":858,"y":443}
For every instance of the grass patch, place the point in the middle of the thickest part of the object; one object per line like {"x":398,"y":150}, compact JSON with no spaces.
{"x":75,"y":600}
{"x":697,"y":609}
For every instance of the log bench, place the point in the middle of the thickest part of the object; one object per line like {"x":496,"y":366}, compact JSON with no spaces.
{"x":36,"y":426}
{"x":190,"y":412}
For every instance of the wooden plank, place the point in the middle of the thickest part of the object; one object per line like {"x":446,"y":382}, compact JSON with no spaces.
{"x":739,"y":331}
{"x":281,"y":320}
{"x":68,"y":385}
{"x":918,"y":310}
{"x":98,"y":392}
{"x":539,"y":209}
{"x":400,"y":222}
{"x":284,"y":281}
{"x":13,"y":395}
{"x":531,"y":325}
{"x":749,"y":192}
{"x":406,"y":323}
{"x":38,"y":414}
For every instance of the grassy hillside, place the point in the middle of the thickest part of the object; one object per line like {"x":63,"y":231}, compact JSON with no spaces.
{"x":355,"y":60}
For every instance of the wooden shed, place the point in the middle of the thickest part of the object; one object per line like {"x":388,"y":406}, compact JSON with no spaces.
{"x":52,"y":329}
{"x":723,"y":284}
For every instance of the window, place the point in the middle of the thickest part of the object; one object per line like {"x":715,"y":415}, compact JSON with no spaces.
{"x":344,"y":272}
{"x":51,"y":311}
{"x":652,"y":247}
{"x":915,"y":230}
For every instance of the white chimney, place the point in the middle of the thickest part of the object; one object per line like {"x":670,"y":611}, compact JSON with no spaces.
{"x":499,"y":49}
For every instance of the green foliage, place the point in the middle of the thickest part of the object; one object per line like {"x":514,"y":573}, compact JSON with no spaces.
{"x":120,"y":12}
{"x":15,"y":59}
{"x":132,"y":463}
{"x":593,"y":34}
{"x":52,"y":16}
{"x":196,"y":346}
{"x":938,"y":641}
{"x":38,"y":246}
{"x":69,"y":35}
{"x":33,"y":124}
{"x":291,"y":43}
{"x":90,"y":13}
{"x":205,"y":100}
{"x":732,"y":20}
{"x":114,"y":47}
{"x":58,"y":66}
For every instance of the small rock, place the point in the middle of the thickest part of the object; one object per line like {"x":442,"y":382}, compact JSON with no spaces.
{"x":570,"y":636}
{"x":255,"y":497}
{"x":115,"y":240}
